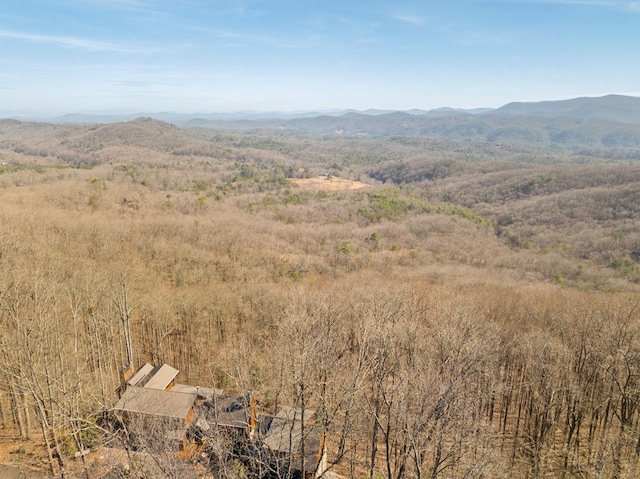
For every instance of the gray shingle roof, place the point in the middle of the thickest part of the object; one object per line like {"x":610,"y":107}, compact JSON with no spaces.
{"x":140,"y":375}
{"x":283,"y":432}
{"x":229,"y":411}
{"x":206,"y":393}
{"x":295,"y":413}
{"x":153,"y":378}
{"x":283,"y":435}
{"x":156,"y":402}
{"x":161,"y":377}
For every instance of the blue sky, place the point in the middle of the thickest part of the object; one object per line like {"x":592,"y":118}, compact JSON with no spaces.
{"x":59,"y":56}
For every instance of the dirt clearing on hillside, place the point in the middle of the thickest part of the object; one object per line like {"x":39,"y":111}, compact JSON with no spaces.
{"x":328,"y":183}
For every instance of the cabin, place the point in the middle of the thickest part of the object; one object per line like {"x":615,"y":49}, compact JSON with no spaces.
{"x":159,"y":415}
{"x":153,"y":408}
{"x":294,"y":442}
{"x":156,"y":417}
{"x":235,"y":412}
{"x":230,"y":419}
{"x":162,"y":378}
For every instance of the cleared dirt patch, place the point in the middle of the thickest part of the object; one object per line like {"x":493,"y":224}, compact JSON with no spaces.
{"x":328,"y":183}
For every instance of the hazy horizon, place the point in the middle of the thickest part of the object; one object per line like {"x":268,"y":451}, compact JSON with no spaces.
{"x":124,"y":113}
{"x":254,"y":114}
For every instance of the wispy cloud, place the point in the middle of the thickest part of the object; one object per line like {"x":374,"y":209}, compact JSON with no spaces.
{"x":602,"y":3}
{"x":144,"y":88}
{"x":415,"y":19}
{"x":618,"y":4}
{"x":476,"y":39}
{"x":128,"y":4}
{"x":243,"y":11}
{"x":144,"y":85}
{"x":152,"y":8}
{"x":118,"y":3}
{"x":255,"y":38}
{"x":74,"y":42}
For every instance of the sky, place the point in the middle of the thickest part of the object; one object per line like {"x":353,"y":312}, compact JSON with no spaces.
{"x":186,"y":56}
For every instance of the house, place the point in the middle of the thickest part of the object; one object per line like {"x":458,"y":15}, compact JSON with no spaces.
{"x":163,"y":377}
{"x":295,"y":443}
{"x":156,"y":417}
{"x":230,"y":418}
{"x":160,"y":377}
{"x":232,"y":412}
{"x":154,"y":409}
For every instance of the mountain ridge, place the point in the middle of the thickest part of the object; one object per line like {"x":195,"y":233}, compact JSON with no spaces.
{"x":618,"y":108}
{"x":611,"y":121}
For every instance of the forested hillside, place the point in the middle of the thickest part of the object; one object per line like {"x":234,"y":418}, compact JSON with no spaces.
{"x":451,"y":309}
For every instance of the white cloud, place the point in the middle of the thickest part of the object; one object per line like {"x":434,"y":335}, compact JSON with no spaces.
{"x":128,"y":4}
{"x":73,"y":42}
{"x":619,"y":4}
{"x":256,"y":38}
{"x":144,"y":8}
{"x":415,"y":19}
{"x":474,"y":39}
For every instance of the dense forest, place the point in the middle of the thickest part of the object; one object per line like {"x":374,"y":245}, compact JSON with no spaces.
{"x":451,"y":309}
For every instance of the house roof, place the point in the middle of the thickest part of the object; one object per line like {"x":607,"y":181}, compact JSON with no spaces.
{"x":140,"y":375}
{"x":296,"y":413}
{"x":283,"y":432}
{"x":156,"y":402}
{"x":154,"y":466}
{"x":229,"y":411}
{"x":281,"y":435}
{"x":160,"y":377}
{"x":206,"y":393}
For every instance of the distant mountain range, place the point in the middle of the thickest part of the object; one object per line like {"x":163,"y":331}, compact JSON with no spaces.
{"x":611,"y":121}
{"x":607,"y":122}
{"x":184,"y":118}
